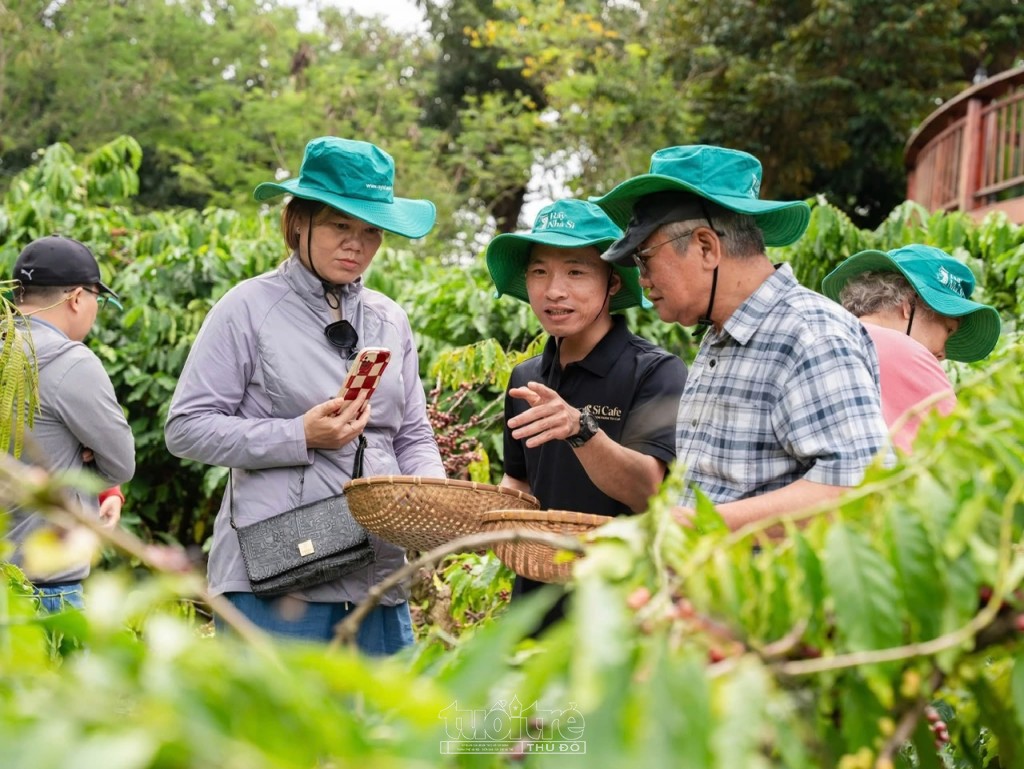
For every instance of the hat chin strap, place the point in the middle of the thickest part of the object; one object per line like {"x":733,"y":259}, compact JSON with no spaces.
{"x":910,"y":321}
{"x":560,"y":339}
{"x":332,"y":293}
{"x":706,"y":319}
{"x":607,"y":297}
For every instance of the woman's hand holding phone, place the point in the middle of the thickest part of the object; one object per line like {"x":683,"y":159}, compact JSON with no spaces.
{"x":333,"y":423}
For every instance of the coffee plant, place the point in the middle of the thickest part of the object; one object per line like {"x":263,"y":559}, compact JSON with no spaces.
{"x":833,"y":645}
{"x":452,"y":422}
{"x":883,"y":630}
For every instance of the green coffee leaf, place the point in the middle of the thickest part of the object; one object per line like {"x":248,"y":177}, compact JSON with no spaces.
{"x":918,"y":568}
{"x":863,"y":584}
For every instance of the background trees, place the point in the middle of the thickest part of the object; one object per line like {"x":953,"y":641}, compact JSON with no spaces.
{"x":219,"y":95}
{"x":183,"y":78}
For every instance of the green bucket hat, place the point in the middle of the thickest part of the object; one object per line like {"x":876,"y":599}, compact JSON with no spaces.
{"x":563,"y":224}
{"x":729,"y":178}
{"x":357,"y":178}
{"x":943,"y":283}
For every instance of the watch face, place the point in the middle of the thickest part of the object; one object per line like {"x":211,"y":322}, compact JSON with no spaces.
{"x":588,"y":425}
{"x":588,"y":428}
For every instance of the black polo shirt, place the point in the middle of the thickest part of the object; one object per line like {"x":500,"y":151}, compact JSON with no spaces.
{"x":630,"y":386}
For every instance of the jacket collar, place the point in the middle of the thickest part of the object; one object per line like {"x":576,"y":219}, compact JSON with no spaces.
{"x":304,"y":283}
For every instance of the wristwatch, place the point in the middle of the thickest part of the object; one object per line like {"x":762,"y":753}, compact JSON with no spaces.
{"x":588,"y":429}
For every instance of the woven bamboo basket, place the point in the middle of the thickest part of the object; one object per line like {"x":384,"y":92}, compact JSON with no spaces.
{"x":423,"y":513}
{"x":535,"y":560}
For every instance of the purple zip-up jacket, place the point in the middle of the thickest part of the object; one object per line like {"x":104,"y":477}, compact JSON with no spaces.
{"x":259,"y":363}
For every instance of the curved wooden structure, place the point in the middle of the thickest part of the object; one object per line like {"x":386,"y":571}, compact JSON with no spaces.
{"x":968,"y":155}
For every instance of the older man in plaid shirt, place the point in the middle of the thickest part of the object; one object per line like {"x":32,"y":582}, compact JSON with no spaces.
{"x":781,"y":409}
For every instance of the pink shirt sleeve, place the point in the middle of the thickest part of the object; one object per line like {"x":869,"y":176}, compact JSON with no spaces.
{"x":909,"y":374}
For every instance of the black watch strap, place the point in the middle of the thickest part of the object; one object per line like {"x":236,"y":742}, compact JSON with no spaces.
{"x":588,"y":429}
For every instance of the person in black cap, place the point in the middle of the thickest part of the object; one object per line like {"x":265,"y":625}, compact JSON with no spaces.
{"x":781,"y":408}
{"x":80,"y":424}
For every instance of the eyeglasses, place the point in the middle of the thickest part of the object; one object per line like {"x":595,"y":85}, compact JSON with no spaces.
{"x":342,"y":335}
{"x":643,"y":255}
{"x":101,"y":299}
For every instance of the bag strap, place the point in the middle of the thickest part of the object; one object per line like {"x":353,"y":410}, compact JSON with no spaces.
{"x":231,"y":500}
{"x":357,"y":467}
{"x":357,"y":472}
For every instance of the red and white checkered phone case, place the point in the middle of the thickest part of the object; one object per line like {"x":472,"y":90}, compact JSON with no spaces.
{"x":365,"y":372}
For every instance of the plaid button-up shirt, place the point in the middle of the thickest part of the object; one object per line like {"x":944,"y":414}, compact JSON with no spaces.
{"x":787,"y":389}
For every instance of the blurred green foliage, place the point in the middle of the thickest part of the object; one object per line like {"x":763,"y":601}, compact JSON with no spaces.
{"x":171,"y":266}
{"x":681,"y":648}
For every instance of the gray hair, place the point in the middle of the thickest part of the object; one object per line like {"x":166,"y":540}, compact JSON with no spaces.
{"x":739,"y":232}
{"x":874,"y":291}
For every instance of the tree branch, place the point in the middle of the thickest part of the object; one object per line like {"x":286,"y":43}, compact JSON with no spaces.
{"x":979,"y":622}
{"x":346,"y":630}
{"x":905,"y":728}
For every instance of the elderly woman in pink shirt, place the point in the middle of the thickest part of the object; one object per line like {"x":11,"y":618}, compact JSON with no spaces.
{"x":915,"y":302}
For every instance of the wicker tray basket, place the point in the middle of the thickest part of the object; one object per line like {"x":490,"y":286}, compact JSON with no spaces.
{"x":534,"y":560}
{"x":423,"y":513}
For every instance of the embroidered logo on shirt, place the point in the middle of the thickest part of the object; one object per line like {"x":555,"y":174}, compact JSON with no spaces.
{"x":609,"y":413}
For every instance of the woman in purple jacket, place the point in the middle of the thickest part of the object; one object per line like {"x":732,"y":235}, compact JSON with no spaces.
{"x":258,"y":391}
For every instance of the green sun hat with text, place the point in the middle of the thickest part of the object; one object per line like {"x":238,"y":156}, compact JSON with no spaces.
{"x":563,"y":224}
{"x":356,"y":178}
{"x":942,"y":282}
{"x":727,"y":177}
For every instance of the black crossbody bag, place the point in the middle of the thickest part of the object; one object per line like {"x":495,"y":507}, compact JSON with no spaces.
{"x":305,"y":546}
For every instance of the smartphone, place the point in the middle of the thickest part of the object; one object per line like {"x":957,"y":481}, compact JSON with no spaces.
{"x":365,"y":372}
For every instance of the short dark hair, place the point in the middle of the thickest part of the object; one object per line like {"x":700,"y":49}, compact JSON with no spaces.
{"x":35,"y":294}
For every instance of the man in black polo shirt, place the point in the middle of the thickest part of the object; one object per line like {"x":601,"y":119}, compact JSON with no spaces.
{"x":590,"y":423}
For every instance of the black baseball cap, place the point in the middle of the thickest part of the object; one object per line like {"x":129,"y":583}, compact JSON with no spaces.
{"x":58,"y":261}
{"x":651,"y":212}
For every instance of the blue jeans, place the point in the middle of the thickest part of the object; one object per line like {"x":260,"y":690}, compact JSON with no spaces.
{"x":61,"y":597}
{"x":385,"y":630}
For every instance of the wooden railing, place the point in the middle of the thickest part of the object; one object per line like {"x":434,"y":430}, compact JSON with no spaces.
{"x":968,"y":155}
